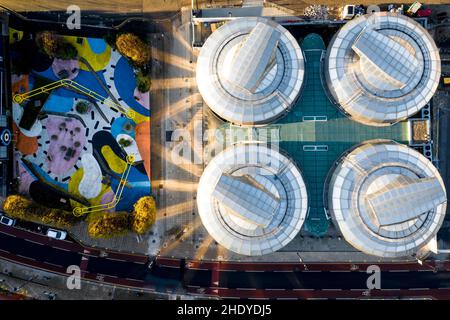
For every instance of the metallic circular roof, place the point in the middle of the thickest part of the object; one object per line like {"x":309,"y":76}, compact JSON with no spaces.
{"x":250,"y":71}
{"x":252,"y":199}
{"x":382,"y":68}
{"x":387,"y":199}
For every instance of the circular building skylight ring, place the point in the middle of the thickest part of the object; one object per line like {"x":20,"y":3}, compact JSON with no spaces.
{"x":412,"y":190}
{"x":232,"y":223}
{"x":268,"y":95}
{"x":413,"y":83}
{"x":279,"y":216}
{"x":367,"y":217}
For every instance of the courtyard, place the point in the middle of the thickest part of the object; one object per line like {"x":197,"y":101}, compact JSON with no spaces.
{"x":87,"y":149}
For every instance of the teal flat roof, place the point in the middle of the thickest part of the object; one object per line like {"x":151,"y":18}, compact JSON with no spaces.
{"x":338,"y":133}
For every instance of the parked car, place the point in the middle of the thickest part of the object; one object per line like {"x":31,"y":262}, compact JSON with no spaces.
{"x":7,"y":221}
{"x":348,"y":12}
{"x":56,"y":234}
{"x":422,"y":13}
{"x":413,"y":8}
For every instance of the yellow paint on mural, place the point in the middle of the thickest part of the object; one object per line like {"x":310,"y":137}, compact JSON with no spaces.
{"x":114,"y":161}
{"x":98,"y":61}
{"x":74,"y":182}
{"x":138,"y":118}
{"x":15,"y":35}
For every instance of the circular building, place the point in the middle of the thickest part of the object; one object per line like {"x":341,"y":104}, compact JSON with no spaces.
{"x":250,"y":71}
{"x":382,"y":68}
{"x":387,"y":199}
{"x":252,"y":199}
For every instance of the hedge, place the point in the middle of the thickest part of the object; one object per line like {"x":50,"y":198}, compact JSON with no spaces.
{"x":19,"y":207}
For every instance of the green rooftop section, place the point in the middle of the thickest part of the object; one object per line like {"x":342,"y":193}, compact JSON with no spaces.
{"x":315,"y":133}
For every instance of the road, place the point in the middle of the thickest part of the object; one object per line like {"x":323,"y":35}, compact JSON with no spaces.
{"x":245,"y":280}
{"x":39,"y":251}
{"x":331,"y":280}
{"x":317,"y":280}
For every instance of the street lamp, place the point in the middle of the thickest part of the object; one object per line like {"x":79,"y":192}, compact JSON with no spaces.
{"x":301,"y":261}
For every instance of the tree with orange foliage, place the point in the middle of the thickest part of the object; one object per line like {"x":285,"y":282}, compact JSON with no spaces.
{"x":144,"y":215}
{"x":134,"y":48}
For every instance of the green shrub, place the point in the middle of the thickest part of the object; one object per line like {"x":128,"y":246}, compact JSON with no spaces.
{"x":143,"y":81}
{"x":66,"y":51}
{"x":110,"y":39}
{"x":124,"y":142}
{"x":55,"y":46}
{"x":82,"y":107}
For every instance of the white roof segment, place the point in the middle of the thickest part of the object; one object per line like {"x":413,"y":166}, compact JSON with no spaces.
{"x":252,"y":199}
{"x":396,"y":69}
{"x":386,"y":199}
{"x":382,"y":68}
{"x":251,"y":203}
{"x":250,"y":71}
{"x":254,"y":58}
{"x":406,"y":199}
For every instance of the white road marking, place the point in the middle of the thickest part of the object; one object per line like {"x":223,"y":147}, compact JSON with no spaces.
{"x":33,"y":241}
{"x":11,"y":235}
{"x":305,"y":289}
{"x":63,"y":249}
{"x":331,"y":289}
{"x":53,"y":264}
{"x":269,"y":289}
{"x":19,"y":255}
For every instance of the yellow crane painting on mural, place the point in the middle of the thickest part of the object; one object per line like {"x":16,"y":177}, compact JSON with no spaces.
{"x":20,"y":97}
{"x":79,"y":211}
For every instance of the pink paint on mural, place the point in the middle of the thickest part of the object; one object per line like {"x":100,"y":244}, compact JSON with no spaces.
{"x":65,"y":69}
{"x":67,"y":139}
{"x":25,"y":180}
{"x":107,"y":198}
{"x":142,"y":98}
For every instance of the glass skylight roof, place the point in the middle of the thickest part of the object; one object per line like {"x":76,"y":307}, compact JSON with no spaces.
{"x":250,"y":71}
{"x":387,"y":199}
{"x":382,"y":68}
{"x":252,"y":199}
